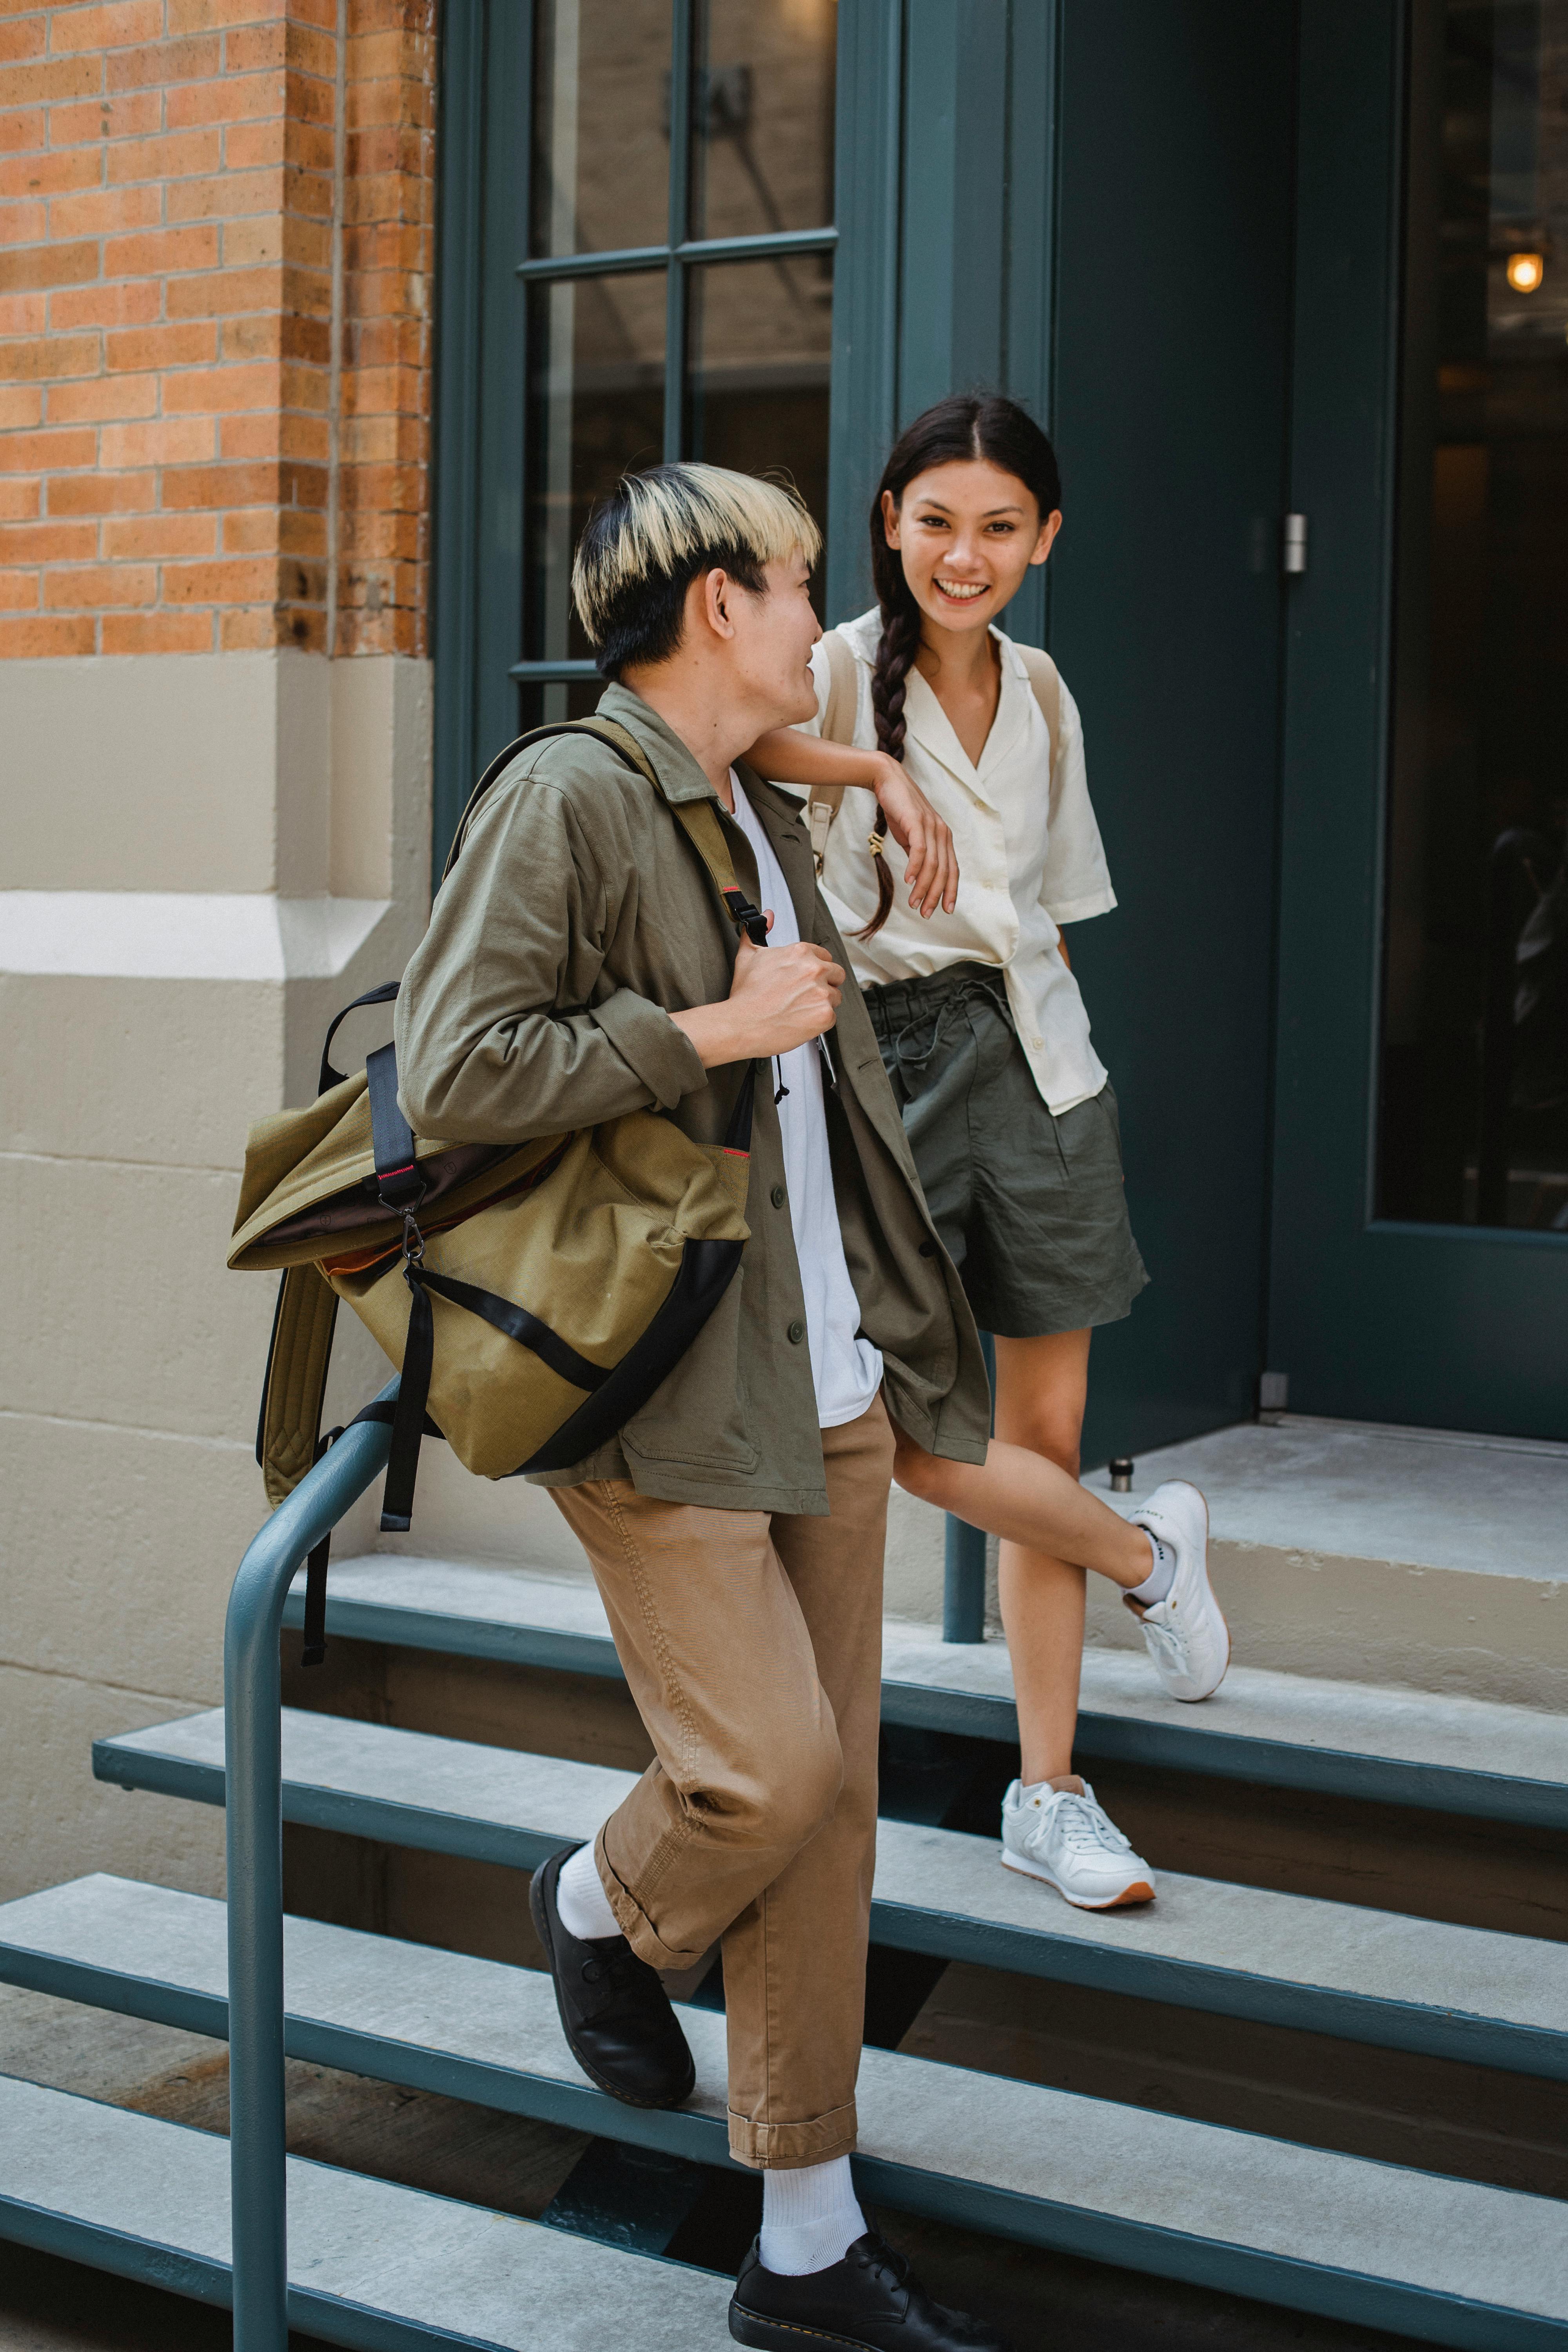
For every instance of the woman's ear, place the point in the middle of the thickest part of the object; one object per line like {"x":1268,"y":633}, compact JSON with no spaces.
{"x":890,"y":519}
{"x":1047,"y":538}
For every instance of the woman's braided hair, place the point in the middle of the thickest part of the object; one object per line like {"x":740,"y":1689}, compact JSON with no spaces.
{"x":969,"y":426}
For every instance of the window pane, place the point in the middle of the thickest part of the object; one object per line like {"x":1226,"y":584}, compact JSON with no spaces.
{"x":601,"y":128}
{"x":1475,"y":1050}
{"x":762,"y":149}
{"x":757,"y":360}
{"x":596,"y":411}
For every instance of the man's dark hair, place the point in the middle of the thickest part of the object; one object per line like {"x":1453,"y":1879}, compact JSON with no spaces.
{"x":657,"y":533}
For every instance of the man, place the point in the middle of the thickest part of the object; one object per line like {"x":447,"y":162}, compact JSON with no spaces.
{"x":579,"y":966}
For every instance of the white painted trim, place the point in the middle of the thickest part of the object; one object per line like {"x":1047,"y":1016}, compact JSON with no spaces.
{"x":182,"y":934}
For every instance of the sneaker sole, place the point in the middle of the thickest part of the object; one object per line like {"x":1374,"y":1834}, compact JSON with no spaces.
{"x":540,"y":1918}
{"x":1197,"y":1698}
{"x":1139,"y":1890}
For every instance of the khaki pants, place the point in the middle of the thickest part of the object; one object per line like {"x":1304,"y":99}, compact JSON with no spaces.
{"x":752,"y":1644}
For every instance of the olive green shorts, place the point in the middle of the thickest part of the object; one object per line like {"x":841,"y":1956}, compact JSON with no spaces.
{"x":1031,"y":1208}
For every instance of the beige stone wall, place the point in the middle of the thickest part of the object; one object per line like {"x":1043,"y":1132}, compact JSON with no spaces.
{"x":206,"y":854}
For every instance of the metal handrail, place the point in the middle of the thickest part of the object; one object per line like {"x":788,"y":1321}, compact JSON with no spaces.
{"x":253,"y":1798}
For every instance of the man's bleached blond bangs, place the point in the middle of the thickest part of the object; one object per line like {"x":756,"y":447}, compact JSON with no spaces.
{"x":664,"y":521}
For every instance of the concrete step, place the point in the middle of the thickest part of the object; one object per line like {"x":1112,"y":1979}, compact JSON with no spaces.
{"x":1287,"y":1959}
{"x":1440,"y":2258}
{"x":370,"y":2264}
{"x":1397,"y":1746}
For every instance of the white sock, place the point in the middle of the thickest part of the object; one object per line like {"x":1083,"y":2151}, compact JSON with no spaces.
{"x":580,"y":1898}
{"x":810,"y":2218}
{"x":1161,"y":1577}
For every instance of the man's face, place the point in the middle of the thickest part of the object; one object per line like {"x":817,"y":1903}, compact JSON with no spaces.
{"x":775,"y":632}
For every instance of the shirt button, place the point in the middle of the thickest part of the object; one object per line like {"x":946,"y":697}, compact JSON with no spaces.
{"x":796,"y":1334}
{"x":777,"y":1196}
{"x":1037,"y":1043}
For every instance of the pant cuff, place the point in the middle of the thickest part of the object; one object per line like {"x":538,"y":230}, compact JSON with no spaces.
{"x":635,"y":1924}
{"x":783,"y":2148}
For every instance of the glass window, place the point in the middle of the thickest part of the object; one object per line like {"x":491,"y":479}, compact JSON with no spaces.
{"x":601,"y":132}
{"x":677,"y":305}
{"x":1474,"y":1126}
{"x":761,"y":117}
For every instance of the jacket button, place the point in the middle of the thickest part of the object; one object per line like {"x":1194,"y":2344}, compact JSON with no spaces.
{"x":796,"y":1334}
{"x":777,"y":1196}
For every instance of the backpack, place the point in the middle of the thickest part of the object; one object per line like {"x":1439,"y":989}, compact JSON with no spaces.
{"x":547,"y":1287}
{"x":843,"y":703}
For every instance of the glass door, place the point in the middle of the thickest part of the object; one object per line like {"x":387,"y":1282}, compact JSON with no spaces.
{"x":1421,"y":1212}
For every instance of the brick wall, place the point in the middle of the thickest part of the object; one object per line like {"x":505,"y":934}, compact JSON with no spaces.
{"x":198,"y":411}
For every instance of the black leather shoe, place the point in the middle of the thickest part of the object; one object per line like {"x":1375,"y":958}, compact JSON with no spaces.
{"x":866,"y":2303}
{"x":614,"y":2012}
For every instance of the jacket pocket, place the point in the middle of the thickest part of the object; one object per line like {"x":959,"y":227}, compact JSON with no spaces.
{"x":700,"y":1413}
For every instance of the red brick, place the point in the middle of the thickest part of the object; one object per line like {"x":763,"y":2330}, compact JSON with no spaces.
{"x":129,"y":115}
{"x":100,"y":493}
{"x":36,"y":453}
{"x":25,"y":640}
{"x":170,"y":248}
{"x":50,"y":355}
{"x":113,"y":26}
{"x":268,"y":335}
{"x":50,"y":175}
{"x":19,"y":591}
{"x":176,"y":154}
{"x":157,"y":632}
{"x":215,"y":16}
{"x":239,"y":581}
{"x":18,"y":498}
{"x":24,"y":224}
{"x":248,"y":631}
{"x":35,"y":85}
{"x":149,"y":537}
{"x":102,"y":210}
{"x":20,"y":404}
{"x":22,"y":38}
{"x":237,"y":97}
{"x":189,"y":344}
{"x":157,"y":64}
{"x":47,"y":542}
{"x":221,"y":391}
{"x":94,"y":585}
{"x":103,"y":399}
{"x":161,"y":441}
{"x":225,"y":293}
{"x":23,"y":314}
{"x":22,"y":131}
{"x":227,"y":195}
{"x":125,"y":304}
{"x":49,"y":265}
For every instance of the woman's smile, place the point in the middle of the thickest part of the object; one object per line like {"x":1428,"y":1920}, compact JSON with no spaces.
{"x":960,"y":592}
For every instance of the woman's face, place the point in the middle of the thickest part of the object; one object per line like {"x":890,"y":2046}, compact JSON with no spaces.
{"x":967,"y":532}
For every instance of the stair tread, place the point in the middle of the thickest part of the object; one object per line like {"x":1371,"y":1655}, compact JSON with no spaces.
{"x":1377,"y":1976}
{"x":1481,"y":1755}
{"x":139,"y":2195}
{"x":1166,"y":2178}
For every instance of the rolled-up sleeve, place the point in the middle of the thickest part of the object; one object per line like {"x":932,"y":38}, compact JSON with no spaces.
{"x":485,"y":1051}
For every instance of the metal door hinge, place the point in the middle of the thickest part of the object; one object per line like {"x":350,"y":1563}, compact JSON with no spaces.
{"x":1294,"y":557}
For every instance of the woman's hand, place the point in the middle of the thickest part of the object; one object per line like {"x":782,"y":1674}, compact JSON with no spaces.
{"x":931,"y":872}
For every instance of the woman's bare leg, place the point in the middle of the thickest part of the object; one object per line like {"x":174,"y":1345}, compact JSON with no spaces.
{"x":1041,"y":1388}
{"x":1028,"y":1500}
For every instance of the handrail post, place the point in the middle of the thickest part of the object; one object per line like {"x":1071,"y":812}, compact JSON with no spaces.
{"x":253,"y":1764}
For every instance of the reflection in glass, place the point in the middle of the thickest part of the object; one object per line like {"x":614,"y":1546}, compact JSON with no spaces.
{"x":757,"y":368}
{"x":601,"y":133}
{"x":596,"y":411}
{"x":761,"y":116}
{"x":1474,"y":1125}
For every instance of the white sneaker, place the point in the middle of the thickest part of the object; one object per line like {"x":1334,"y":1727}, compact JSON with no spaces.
{"x":1185,"y":1634}
{"x":1073,"y":1845}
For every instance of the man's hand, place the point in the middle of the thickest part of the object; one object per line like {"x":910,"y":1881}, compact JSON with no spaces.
{"x":779,"y":998}
{"x":932,"y":869}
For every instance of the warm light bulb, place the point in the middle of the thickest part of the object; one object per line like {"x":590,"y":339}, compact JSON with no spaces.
{"x":1525,"y":272}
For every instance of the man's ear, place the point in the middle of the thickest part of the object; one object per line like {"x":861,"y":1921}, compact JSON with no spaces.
{"x":717,"y":590}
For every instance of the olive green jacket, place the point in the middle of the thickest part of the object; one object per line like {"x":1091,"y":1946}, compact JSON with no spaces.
{"x":576,"y":922}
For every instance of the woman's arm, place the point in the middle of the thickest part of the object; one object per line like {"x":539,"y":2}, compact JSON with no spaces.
{"x":785,"y":756}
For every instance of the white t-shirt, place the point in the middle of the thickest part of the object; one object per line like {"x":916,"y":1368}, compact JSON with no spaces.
{"x":847,"y":1370}
{"x":1029,"y":858}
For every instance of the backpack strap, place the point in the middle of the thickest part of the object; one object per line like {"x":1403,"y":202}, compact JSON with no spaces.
{"x":838,"y":718}
{"x":1046,"y":685}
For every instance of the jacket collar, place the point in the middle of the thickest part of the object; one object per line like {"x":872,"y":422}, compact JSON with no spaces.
{"x":678,"y":772}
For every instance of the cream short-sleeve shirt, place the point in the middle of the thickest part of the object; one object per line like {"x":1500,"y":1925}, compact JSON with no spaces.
{"x":1029,"y":858}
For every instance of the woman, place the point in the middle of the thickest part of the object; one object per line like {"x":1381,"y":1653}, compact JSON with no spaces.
{"x":1008,"y":1109}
